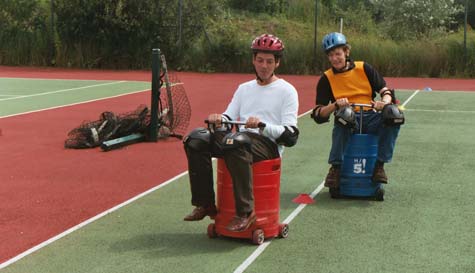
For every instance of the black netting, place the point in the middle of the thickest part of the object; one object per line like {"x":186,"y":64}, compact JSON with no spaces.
{"x":133,"y":122}
{"x":92,"y":134}
{"x":174,"y":113}
{"x":176,"y":110}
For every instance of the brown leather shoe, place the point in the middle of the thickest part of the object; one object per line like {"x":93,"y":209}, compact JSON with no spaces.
{"x":333,"y":177}
{"x":241,"y":223}
{"x":201,"y":212}
{"x":379,"y":175}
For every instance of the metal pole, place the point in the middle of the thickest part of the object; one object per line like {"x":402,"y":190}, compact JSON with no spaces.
{"x":341,"y":24}
{"x":52,"y":47}
{"x":465,"y":34}
{"x":153,"y":128}
{"x":315,"y":36}
{"x":180,"y":27}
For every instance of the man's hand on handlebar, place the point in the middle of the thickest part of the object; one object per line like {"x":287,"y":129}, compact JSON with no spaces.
{"x":215,"y":119}
{"x":342,"y":102}
{"x":252,"y":122}
{"x":378,"y":105}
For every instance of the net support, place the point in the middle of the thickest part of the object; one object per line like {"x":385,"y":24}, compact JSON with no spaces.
{"x":153,"y":130}
{"x":121,"y":141}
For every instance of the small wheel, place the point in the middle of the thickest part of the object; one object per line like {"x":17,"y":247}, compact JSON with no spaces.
{"x":379,"y":196}
{"x":283,"y":230}
{"x":212,"y":231}
{"x":258,"y":236}
{"x":335,"y":193}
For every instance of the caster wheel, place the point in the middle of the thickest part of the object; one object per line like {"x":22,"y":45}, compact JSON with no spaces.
{"x":379,"y":196}
{"x":335,"y":193}
{"x":258,"y":237}
{"x":283,"y":230}
{"x":212,"y":231}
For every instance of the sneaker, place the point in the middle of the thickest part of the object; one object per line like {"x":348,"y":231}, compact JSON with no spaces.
{"x":379,"y":175}
{"x":333,"y":177}
{"x":201,"y":212}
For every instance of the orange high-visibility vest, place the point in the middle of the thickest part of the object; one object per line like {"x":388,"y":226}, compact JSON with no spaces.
{"x":352,"y":84}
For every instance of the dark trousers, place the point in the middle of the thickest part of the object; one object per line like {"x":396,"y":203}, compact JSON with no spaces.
{"x":239,"y":163}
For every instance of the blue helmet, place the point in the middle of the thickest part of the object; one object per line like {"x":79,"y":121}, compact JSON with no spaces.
{"x":333,"y":40}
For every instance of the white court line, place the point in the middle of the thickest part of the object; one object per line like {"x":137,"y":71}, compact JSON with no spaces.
{"x":72,"y":104}
{"x":64,"y":79}
{"x":62,"y":90}
{"x":410,"y":98}
{"x":287,"y":220}
{"x":242,"y":267}
{"x":49,"y":79}
{"x":440,"y":111}
{"x":88,"y":221}
{"x":262,"y":247}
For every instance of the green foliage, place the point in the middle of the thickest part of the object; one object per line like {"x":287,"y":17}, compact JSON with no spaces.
{"x":267,"y":6}
{"x":105,"y":33}
{"x":356,"y":17}
{"x":439,"y":58}
{"x":301,"y":10}
{"x":23,"y":26}
{"x":400,"y":38}
{"x":411,"y":19}
{"x":121,"y":33}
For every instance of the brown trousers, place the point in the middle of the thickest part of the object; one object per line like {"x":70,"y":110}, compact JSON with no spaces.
{"x":239,"y":163}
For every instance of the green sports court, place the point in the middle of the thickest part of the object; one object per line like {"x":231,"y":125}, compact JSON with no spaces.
{"x":121,"y":211}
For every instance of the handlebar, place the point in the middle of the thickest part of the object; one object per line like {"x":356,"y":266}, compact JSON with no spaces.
{"x":362,"y":105}
{"x":235,"y":122}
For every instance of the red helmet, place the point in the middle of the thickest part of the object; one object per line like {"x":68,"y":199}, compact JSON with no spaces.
{"x":268,"y":43}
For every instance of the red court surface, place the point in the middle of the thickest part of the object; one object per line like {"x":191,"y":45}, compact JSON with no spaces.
{"x":47,"y":189}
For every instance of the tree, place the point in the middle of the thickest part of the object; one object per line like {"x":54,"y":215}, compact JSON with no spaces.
{"x":121,"y":33}
{"x":415,"y":18}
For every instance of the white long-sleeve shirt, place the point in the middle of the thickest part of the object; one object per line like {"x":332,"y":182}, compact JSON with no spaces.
{"x":275,"y":104}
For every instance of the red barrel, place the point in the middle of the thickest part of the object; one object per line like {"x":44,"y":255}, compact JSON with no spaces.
{"x":266,"y":188}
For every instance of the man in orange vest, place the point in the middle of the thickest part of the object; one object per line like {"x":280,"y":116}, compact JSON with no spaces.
{"x":348,"y":82}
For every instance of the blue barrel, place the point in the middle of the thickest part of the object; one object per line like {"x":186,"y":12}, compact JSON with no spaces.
{"x":359,"y":160}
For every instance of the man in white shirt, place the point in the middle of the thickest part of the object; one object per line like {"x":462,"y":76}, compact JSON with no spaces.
{"x":265,"y":100}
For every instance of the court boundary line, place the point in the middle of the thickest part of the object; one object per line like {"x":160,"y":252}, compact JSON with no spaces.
{"x":440,"y":111}
{"x":58,"y":79}
{"x":88,"y":221}
{"x":94,"y":218}
{"x":76,"y":103}
{"x":243,"y":265}
{"x":62,"y":90}
{"x":68,"y":79}
{"x":410,"y":97}
{"x":251,"y":258}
